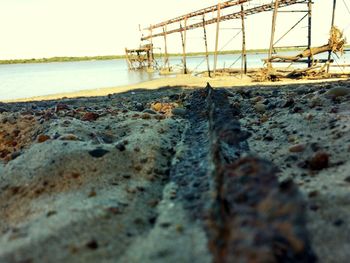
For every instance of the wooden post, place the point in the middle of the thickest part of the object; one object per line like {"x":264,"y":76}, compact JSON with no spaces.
{"x":244,"y":52}
{"x":127,"y":58}
{"x":332,"y":25}
{"x":273,"y":29}
{"x":217,"y":40}
{"x":309,"y":5}
{"x":206,"y":46}
{"x":151,"y":52}
{"x":166,"y":58}
{"x":183,"y":39}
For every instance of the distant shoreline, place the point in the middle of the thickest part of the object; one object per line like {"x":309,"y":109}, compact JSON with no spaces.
{"x":157,"y":55}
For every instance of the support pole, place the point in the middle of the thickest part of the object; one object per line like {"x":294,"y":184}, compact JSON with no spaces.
{"x":206,"y":46}
{"x":166,"y":58}
{"x":217,"y":40}
{"x":332,"y":25}
{"x":151,"y":40}
{"x":309,"y":6}
{"x":183,"y":40}
{"x":244,"y":52}
{"x":273,"y":29}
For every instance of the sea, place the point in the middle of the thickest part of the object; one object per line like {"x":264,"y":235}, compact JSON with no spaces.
{"x":38,"y":79}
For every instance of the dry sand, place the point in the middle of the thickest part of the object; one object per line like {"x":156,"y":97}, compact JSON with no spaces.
{"x":86,"y":180}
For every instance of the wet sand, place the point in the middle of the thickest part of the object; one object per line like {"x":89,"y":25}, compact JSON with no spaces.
{"x":176,"y":81}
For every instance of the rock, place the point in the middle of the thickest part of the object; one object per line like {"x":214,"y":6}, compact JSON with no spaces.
{"x":90,"y":116}
{"x":139,"y":106}
{"x":157,"y":106}
{"x":43,"y":138}
{"x":68,"y":137}
{"x":178,"y":111}
{"x":260,"y":108}
{"x":297,"y":148}
{"x":315,"y":101}
{"x":290,"y":102}
{"x":120,"y":147}
{"x":61,"y":106}
{"x":149,"y":111}
{"x":319,"y":161}
{"x":338,"y":92}
{"x":98,"y":153}
{"x":2,"y":110}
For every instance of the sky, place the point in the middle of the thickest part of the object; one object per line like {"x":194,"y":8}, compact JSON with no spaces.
{"x":48,"y":28}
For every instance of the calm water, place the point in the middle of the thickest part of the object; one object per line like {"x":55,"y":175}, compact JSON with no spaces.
{"x":28,"y":80}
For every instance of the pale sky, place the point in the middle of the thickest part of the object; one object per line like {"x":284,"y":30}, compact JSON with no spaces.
{"x":47,"y":28}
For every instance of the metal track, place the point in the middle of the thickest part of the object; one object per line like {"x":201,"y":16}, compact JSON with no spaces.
{"x":236,"y":15}
{"x":248,"y":215}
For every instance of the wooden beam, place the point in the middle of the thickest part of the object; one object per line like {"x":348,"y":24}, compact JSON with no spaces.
{"x":217,"y":40}
{"x":166,"y":58}
{"x":332,"y":25}
{"x":244,"y":51}
{"x":206,"y":46}
{"x":273,"y":29}
{"x":183,"y":40}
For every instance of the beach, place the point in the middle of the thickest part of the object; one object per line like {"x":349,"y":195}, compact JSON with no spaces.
{"x":88,"y":176}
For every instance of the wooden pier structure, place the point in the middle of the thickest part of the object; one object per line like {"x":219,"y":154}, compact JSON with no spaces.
{"x":240,"y":9}
{"x":140,"y":58}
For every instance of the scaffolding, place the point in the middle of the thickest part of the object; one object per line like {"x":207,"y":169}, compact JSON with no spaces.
{"x":140,"y":58}
{"x":240,"y":9}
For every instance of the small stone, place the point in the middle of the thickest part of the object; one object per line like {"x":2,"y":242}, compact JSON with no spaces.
{"x":92,"y":244}
{"x":90,"y":116}
{"x":120,"y":147}
{"x":61,"y":106}
{"x":260,"y":108}
{"x":178,"y":112}
{"x":146,"y":116}
{"x":157,"y":106}
{"x":338,"y":92}
{"x":297,"y":148}
{"x":347,"y":179}
{"x":149,"y":111}
{"x":319,"y":161}
{"x":43,"y":138}
{"x":98,"y":153}
{"x":68,"y":137}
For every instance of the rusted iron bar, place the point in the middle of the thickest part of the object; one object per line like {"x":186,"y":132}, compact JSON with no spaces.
{"x":244,"y":51}
{"x":273,"y":29}
{"x":248,"y":215}
{"x":217,"y":39}
{"x":206,"y":46}
{"x":332,"y":25}
{"x":235,"y":15}
{"x":200,"y":12}
{"x":309,"y":28}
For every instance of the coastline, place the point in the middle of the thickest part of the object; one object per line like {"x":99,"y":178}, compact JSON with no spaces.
{"x":178,"y":80}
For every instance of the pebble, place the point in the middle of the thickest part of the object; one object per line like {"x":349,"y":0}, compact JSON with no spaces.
{"x":260,"y":108}
{"x":43,"y":138}
{"x":98,"y":153}
{"x":90,"y":116}
{"x":68,"y":137}
{"x":178,"y":111}
{"x":319,"y":161}
{"x":149,"y":111}
{"x":338,"y":92}
{"x":297,"y":148}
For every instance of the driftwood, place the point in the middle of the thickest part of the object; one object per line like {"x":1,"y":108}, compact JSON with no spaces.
{"x":336,"y":43}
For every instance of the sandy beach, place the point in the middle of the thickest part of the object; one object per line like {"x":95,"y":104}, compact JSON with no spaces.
{"x":87,"y":179}
{"x":175,"y":81}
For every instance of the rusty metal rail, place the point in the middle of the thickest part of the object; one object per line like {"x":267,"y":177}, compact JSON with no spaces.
{"x":235,"y":15}
{"x":199,"y":13}
{"x":249,"y":216}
